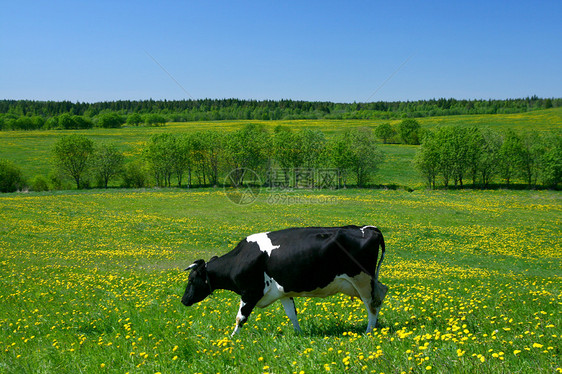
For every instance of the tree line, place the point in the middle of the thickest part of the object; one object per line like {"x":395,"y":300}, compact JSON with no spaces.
{"x":34,"y":115}
{"x":207,"y":158}
{"x":448,"y":156}
{"x":67,"y":121}
{"x":455,"y":156}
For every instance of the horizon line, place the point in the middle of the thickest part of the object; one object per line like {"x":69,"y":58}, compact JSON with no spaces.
{"x":531,"y":97}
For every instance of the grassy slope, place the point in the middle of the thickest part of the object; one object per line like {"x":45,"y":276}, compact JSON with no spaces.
{"x":31,"y":149}
{"x":542,"y":120}
{"x":92,"y":282}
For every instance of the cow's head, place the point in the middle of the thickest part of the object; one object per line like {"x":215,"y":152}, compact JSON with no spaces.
{"x":198,"y":285}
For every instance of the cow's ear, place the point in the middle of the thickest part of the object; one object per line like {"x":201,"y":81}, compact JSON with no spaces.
{"x":213,"y":258}
{"x":195,"y":265}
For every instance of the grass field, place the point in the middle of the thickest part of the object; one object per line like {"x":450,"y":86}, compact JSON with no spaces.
{"x":91,"y":282}
{"x":31,"y":150}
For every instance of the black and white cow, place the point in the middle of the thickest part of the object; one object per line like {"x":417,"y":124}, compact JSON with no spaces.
{"x":280,"y":265}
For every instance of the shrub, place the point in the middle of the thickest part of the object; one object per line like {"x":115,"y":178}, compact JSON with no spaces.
{"x":39,"y":183}
{"x":154,"y":120}
{"x":135,"y":175}
{"x":109,"y":120}
{"x":57,"y":180}
{"x":134,"y":119}
{"x":11,"y":177}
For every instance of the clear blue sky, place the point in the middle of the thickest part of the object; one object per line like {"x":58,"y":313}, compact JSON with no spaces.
{"x":340,"y":51}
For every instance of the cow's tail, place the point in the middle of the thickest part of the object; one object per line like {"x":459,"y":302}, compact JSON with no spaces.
{"x":382,"y":257}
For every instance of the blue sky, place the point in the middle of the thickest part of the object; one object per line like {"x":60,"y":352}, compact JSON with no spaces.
{"x":340,"y":51}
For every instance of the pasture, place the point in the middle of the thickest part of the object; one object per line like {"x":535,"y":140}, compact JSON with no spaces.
{"x":31,"y":150}
{"x":91,"y":282}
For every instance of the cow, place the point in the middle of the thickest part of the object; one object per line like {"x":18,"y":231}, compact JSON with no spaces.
{"x":306,"y":261}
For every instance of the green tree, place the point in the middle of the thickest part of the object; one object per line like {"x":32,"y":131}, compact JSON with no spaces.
{"x":154,"y":119}
{"x":66,"y":121}
{"x":427,"y":159}
{"x":340,"y":156}
{"x":39,"y":183}
{"x":110,"y":120}
{"x":134,"y":119}
{"x":356,"y":150}
{"x":247,"y":149}
{"x":167,"y":156}
{"x":11,"y":177}
{"x":81,"y":122}
{"x":197,"y":150}
{"x":287,"y":148}
{"x":38,"y":122}
{"x":135,"y":174}
{"x":409,"y":130}
{"x":385,"y":132}
{"x":28,"y":123}
{"x":213,"y":146}
{"x":474,"y":141}
{"x":72,"y":156}
{"x":51,"y":123}
{"x":207,"y":148}
{"x":313,"y":147}
{"x":510,"y":156}
{"x":366,"y":155}
{"x":551,"y":161}
{"x":161,"y":155}
{"x":533,"y":148}
{"x":446,"y":151}
{"x":460,"y":151}
{"x":489,"y":156}
{"x":107,"y":162}
{"x":453,"y":153}
{"x":182,"y":157}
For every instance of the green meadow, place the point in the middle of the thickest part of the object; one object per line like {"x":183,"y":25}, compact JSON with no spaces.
{"x":31,"y":150}
{"x":92,"y":281}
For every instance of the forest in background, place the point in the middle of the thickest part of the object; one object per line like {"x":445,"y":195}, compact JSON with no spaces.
{"x":35,"y":115}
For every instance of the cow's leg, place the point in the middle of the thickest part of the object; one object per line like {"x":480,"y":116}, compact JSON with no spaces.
{"x":373,"y":314}
{"x":372,"y":293}
{"x":378,"y":293}
{"x":246,"y":307}
{"x":291,"y":311}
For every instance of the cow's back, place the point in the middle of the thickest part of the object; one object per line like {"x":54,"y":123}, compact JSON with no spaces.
{"x":305,"y":259}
